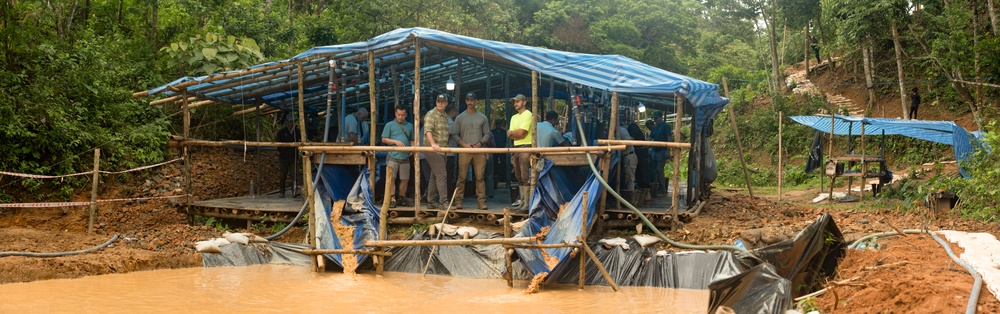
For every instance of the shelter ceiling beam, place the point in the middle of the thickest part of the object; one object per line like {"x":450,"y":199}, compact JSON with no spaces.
{"x":287,"y":74}
{"x":232,"y":74}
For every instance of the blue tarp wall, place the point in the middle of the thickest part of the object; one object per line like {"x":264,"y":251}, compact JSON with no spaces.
{"x":350,"y":184}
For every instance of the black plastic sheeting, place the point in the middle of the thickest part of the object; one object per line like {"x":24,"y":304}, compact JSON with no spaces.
{"x":235,"y":254}
{"x":757,"y":290}
{"x":806,"y":259}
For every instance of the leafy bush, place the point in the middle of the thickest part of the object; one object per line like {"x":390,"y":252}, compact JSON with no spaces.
{"x":977,"y":194}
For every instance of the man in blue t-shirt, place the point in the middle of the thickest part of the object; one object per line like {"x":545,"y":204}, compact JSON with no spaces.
{"x":398,"y":133}
{"x":659,"y":155}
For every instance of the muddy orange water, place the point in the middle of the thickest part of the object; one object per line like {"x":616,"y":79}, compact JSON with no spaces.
{"x":273,"y":288}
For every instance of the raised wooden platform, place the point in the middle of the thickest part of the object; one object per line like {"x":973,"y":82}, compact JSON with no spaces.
{"x":268,"y":207}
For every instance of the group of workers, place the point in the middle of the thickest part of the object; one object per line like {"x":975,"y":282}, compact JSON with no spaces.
{"x":443,"y":127}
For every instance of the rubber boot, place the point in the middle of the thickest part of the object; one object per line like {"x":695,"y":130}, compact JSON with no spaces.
{"x":523,"y":209}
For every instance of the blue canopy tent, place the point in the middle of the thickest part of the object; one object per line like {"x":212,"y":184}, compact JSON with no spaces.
{"x":474,"y":63}
{"x":941,"y":132}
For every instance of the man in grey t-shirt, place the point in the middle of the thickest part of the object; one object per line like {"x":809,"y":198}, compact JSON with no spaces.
{"x":398,"y":133}
{"x":352,"y":126}
{"x":472,"y":130}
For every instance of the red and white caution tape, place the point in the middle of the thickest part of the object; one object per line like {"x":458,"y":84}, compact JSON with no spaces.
{"x":142,"y":168}
{"x":71,"y":204}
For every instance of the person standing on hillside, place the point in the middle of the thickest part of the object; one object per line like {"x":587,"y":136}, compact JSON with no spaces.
{"x":472,"y":130}
{"x":286,"y":155}
{"x":398,"y":133}
{"x":914,"y":104}
{"x":520,"y":133}
{"x":436,"y":133}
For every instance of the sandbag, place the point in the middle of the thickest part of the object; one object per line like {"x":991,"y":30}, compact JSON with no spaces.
{"x":255,"y":238}
{"x":467,"y":232}
{"x":236,"y":238}
{"x":220,"y":242}
{"x":646,"y":240}
{"x":207,"y":246}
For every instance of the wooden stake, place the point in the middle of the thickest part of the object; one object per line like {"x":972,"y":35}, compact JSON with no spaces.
{"x":780,"y":150}
{"x":864,"y":170}
{"x":739,"y":143}
{"x":187,"y":157}
{"x":600,"y":266}
{"x":675,"y":195}
{"x":830,"y":155}
{"x":416,"y":127}
{"x":507,"y":231}
{"x":93,"y":190}
{"x":536,"y":117}
{"x":583,"y":237}
{"x":606,"y":159}
{"x":390,"y":186}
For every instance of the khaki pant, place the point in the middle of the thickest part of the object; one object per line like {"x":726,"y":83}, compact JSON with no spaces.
{"x":479,"y":169}
{"x":522,"y":167}
{"x":438,"y":184}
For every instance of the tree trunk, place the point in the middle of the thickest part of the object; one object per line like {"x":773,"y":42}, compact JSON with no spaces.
{"x":155,"y":18}
{"x":822,"y":42}
{"x":86,"y":12}
{"x":784,"y":41}
{"x":770,"y":20}
{"x":993,"y":16}
{"x":118,"y":18}
{"x":866,"y":55}
{"x":899,"y":71}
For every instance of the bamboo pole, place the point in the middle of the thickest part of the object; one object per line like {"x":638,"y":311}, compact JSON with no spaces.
{"x":781,"y":173}
{"x":645,"y":143}
{"x":187,"y":156}
{"x":249,"y":110}
{"x":390,"y":182}
{"x":739,"y":143}
{"x":606,"y":160}
{"x":583,"y":237}
{"x":536,"y":117}
{"x":480,"y":150}
{"x":396,"y":243}
{"x":93,"y":190}
{"x":508,"y":252}
{"x":830,"y":155}
{"x":378,"y":254}
{"x":600,"y":266}
{"x":542,"y":245}
{"x":372,"y":118}
{"x":675,"y":196}
{"x":395,"y":87}
{"x":416,"y":127}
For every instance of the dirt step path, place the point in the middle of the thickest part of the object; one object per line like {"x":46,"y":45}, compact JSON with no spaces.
{"x":804,"y":86}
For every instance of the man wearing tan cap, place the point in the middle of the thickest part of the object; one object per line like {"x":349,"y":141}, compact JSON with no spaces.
{"x":520,"y":133}
{"x":472,"y":130}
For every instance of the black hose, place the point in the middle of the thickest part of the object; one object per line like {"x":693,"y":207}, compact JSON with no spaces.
{"x":58,"y":254}
{"x":607,"y":187}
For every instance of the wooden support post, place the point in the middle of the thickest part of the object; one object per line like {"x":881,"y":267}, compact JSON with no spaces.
{"x":187,"y":158}
{"x":606,"y":158}
{"x":93,"y":190}
{"x":306,"y":170}
{"x":583,"y":242}
{"x":372,"y":118}
{"x":390,"y":186}
{"x":508,"y":253}
{"x":600,"y":266}
{"x":675,"y":196}
{"x":864,"y":170}
{"x":736,"y":131}
{"x":830,"y":155}
{"x":805,"y":47}
{"x":395,"y":89}
{"x":781,"y":168}
{"x":416,"y":127}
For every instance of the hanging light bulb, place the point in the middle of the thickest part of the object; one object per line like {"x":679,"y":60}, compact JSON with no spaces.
{"x":642,"y":108}
{"x":450,"y":85}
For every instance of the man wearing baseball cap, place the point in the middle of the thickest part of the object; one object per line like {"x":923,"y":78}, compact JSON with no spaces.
{"x":436,"y":133}
{"x":520,"y":133}
{"x":472,"y":130}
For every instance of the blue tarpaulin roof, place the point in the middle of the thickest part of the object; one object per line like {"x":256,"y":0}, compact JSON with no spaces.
{"x":276,"y":83}
{"x":942,"y":132}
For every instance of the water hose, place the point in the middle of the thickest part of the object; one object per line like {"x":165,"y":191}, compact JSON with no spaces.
{"x":58,"y":254}
{"x":977,"y":283}
{"x":638,"y":214}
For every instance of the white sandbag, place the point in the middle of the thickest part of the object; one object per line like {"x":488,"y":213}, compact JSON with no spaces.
{"x":613,"y":242}
{"x":255,"y":238}
{"x":447,"y":229}
{"x":646,"y":240}
{"x":467,"y":232}
{"x":220,"y":242}
{"x":236,"y":238}
{"x":207,"y":246}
